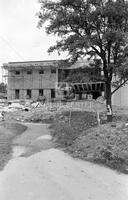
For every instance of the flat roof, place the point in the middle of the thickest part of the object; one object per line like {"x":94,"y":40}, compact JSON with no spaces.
{"x":35,"y":61}
{"x":46,"y":64}
{"x":24,"y":64}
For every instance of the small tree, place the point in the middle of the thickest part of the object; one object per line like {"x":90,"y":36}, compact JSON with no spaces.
{"x":97,"y":28}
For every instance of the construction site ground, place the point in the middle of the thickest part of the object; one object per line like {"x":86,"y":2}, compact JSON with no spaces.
{"x":37,"y":140}
{"x":50,"y":174}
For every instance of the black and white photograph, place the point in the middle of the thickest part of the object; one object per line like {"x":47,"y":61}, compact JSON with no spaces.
{"x":63,"y":99}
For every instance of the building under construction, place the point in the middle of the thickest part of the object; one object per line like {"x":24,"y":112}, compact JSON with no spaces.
{"x":37,"y":79}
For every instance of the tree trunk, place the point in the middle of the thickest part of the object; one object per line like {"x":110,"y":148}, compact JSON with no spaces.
{"x":108,"y":101}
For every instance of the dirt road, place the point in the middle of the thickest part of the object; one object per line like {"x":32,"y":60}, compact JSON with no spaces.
{"x":53,"y":175}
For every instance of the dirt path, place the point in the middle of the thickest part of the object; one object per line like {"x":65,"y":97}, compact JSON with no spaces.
{"x":36,"y":138}
{"x":53,"y":175}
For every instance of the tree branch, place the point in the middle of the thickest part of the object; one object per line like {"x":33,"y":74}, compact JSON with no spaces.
{"x":96,"y":50}
{"x":119,"y":86}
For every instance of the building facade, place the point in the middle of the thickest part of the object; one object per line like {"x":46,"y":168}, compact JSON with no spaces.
{"x":31,"y":80}
{"x":38,"y":79}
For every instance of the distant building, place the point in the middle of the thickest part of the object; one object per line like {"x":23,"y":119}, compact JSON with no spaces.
{"x":37,"y":79}
{"x":120,"y":97}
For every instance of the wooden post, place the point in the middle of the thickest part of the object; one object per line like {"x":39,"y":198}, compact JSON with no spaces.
{"x":70,"y":115}
{"x":98,"y":117}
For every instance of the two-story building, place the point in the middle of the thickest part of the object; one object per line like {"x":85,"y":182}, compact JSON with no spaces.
{"x":31,"y":80}
{"x":36,"y":79}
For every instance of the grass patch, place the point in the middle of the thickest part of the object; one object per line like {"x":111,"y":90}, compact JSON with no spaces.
{"x":66,"y":133}
{"x":8,"y":131}
{"x":105,"y":144}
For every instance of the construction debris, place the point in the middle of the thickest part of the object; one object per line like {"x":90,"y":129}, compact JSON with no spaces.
{"x":39,"y":111}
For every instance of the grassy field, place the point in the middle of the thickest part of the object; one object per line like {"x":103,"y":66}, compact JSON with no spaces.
{"x":105,"y":144}
{"x":8,"y":131}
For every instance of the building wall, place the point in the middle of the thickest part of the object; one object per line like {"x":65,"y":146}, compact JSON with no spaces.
{"x":120,"y":97}
{"x":34,"y":82}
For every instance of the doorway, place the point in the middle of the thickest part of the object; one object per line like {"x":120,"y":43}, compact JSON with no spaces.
{"x":17,"y":94}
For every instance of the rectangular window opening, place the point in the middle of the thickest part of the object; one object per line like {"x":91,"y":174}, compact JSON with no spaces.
{"x":41,"y":71}
{"x":53,"y":71}
{"x":29,"y":94}
{"x":53,"y":95}
{"x":29,"y":72}
{"x":41,"y":92}
{"x":17,"y":72}
{"x":17,"y":94}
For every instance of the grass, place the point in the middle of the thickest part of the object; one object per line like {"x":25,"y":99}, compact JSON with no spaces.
{"x":104,"y":145}
{"x":66,"y":133}
{"x":8,"y":131}
{"x":82,"y":138}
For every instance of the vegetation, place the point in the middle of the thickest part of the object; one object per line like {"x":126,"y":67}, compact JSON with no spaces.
{"x":105,"y":144}
{"x":94,"y":28}
{"x":83,"y":75}
{"x":66,"y":132}
{"x":8,"y":131}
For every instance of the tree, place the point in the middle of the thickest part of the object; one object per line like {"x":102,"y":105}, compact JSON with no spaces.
{"x":94,"y":28}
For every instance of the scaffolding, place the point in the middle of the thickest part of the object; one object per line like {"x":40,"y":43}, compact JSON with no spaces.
{"x":8,"y":76}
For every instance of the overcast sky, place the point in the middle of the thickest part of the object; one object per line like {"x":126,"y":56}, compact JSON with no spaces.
{"x":20,"y":39}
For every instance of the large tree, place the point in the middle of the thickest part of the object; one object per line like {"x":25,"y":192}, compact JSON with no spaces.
{"x":97,"y":28}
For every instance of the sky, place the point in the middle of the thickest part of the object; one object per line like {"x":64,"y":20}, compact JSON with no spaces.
{"x":20,"y":39}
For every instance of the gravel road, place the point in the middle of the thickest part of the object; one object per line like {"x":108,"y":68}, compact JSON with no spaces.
{"x":46,"y":173}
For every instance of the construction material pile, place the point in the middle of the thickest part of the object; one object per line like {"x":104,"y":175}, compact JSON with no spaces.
{"x":41,"y":112}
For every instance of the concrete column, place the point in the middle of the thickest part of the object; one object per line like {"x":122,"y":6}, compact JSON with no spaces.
{"x":102,"y":93}
{"x":56,"y":82}
{"x":47,"y":94}
{"x":35,"y":94}
{"x":56,"y":75}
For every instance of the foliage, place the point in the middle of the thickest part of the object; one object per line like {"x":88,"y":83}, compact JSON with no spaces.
{"x":92,"y":72}
{"x":94,"y":28}
{"x":83,"y":75}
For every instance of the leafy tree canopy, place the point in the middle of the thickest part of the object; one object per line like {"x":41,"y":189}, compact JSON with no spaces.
{"x":94,"y":28}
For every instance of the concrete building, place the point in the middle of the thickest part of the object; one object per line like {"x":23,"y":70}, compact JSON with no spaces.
{"x":120,"y":97}
{"x":31,"y":80}
{"x":37,"y":79}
